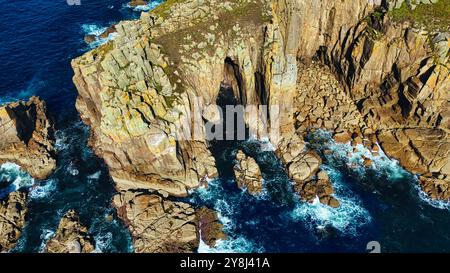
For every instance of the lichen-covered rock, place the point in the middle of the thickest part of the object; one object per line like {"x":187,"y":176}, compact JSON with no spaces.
{"x":12,"y":219}
{"x":71,"y":236}
{"x":247,"y":173}
{"x":26,"y":134}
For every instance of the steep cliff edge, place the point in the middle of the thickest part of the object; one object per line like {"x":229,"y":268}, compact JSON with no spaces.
{"x":26,"y":134}
{"x":363,"y":77}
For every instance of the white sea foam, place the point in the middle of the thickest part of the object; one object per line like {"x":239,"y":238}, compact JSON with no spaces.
{"x":14,"y":178}
{"x":351,"y":214}
{"x":151,"y":5}
{"x":93,"y":29}
{"x":94,"y":176}
{"x":61,"y":140}
{"x":45,"y":236}
{"x":347,"y":218}
{"x":72,"y":170}
{"x":424,"y":197}
{"x":266,"y":145}
{"x":230,"y":245}
{"x":225,"y":209}
{"x":354,"y":157}
{"x":43,"y":190}
{"x":102,"y":242}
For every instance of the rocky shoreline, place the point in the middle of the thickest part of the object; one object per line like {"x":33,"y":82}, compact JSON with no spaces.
{"x":28,"y":141}
{"x":365,"y":78}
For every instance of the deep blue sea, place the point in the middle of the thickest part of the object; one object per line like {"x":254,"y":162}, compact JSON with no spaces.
{"x":39,"y":38}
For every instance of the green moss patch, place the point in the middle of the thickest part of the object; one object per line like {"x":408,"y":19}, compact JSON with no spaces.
{"x":433,"y":17}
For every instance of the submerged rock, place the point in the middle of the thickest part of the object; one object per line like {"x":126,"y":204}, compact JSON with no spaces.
{"x":247,"y":173}
{"x":12,"y":219}
{"x":27,"y":139}
{"x":71,"y":236}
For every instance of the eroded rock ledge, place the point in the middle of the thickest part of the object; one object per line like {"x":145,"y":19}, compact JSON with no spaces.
{"x":26,"y":134}
{"x":372,"y":81}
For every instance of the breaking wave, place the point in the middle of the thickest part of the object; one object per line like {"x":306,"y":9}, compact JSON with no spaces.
{"x":151,"y":5}
{"x":225,"y":205}
{"x":13,"y":178}
{"x":347,"y":218}
{"x":46,"y":235}
{"x":94,"y":29}
{"x":43,"y":190}
{"x":425,"y":198}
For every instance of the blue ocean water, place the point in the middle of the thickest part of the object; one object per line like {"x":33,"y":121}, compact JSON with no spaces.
{"x":383,"y":203}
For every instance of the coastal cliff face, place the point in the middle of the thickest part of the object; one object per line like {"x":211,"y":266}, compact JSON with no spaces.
{"x":363,"y":77}
{"x":27,"y":137}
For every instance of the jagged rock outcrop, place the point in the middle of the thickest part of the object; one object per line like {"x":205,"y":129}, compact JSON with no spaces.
{"x":247,"y":173}
{"x":399,"y":78}
{"x":303,"y":166}
{"x":157,"y":224}
{"x":12,"y":219}
{"x":209,"y":226}
{"x":71,"y":236}
{"x":26,"y":135}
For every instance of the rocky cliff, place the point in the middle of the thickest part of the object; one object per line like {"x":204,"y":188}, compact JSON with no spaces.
{"x":26,"y":134}
{"x":365,"y":77}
